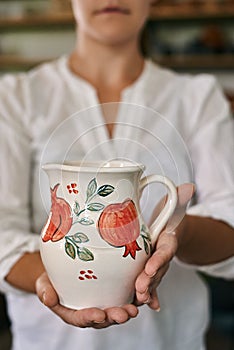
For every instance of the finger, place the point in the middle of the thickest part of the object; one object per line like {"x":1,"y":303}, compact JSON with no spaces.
{"x":142,"y":298}
{"x":156,"y":261}
{"x":166,"y":249}
{"x":122,"y":314}
{"x":132,"y":310}
{"x":153,"y":283}
{"x":117,"y":315}
{"x":142,"y":283}
{"x":80,"y":318}
{"x":45,"y":291}
{"x":154,"y":302}
{"x":185,"y":193}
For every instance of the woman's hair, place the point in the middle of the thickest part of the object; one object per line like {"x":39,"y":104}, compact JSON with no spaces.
{"x":143,"y":42}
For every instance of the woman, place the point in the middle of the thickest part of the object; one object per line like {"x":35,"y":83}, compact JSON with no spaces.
{"x":107,"y":66}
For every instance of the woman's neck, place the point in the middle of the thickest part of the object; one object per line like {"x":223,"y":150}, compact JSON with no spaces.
{"x":108,"y":68}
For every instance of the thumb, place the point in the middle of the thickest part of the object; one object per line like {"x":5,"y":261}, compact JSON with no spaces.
{"x":185,"y":193}
{"x":46,"y":291}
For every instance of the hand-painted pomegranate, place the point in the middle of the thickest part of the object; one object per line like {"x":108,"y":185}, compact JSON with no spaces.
{"x":119,"y":226}
{"x":60,"y":218}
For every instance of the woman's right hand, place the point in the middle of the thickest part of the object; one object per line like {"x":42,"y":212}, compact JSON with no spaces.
{"x":90,"y":317}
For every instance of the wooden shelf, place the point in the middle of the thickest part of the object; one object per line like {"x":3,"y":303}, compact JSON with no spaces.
{"x":182,"y":62}
{"x":20,"y":63}
{"x":158,"y":12}
{"x":189,"y":11}
{"x":46,"y":19}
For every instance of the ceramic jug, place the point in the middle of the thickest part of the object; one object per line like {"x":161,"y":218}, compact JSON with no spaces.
{"x":95,"y":242}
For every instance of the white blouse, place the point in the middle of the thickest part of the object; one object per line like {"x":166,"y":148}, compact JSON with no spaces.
{"x":184,"y":131}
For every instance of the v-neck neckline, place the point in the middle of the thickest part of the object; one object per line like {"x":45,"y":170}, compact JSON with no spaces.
{"x":89,"y":91}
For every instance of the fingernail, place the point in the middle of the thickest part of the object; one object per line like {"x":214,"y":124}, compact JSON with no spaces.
{"x":145,"y":291}
{"x":117,"y":322}
{"x":147,"y":301}
{"x":151,"y":275}
{"x":99,"y":322}
{"x":158,"y":309}
{"x":44,"y":297}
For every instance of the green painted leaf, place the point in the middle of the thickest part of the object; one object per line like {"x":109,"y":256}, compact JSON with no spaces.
{"x":105,"y":190}
{"x":146,"y":246}
{"x":70,"y":250}
{"x":86,"y":221}
{"x":76,"y":208}
{"x":144,"y":229}
{"x":85,"y":254}
{"x":80,"y":237}
{"x":91,"y":189}
{"x":75,"y":238}
{"x":95,"y":206}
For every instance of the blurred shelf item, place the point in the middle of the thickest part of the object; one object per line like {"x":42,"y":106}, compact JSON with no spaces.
{"x":210,"y":25}
{"x":173,"y":11}
{"x":178,"y":62}
{"x":196,"y":11}
{"x":60,"y":5}
{"x":17,"y":27}
{"x":13,"y":62}
{"x":196,"y":61}
{"x":60,"y":16}
{"x":46,"y":19}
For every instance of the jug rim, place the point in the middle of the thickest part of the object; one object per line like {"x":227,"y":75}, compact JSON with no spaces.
{"x":96,"y":166}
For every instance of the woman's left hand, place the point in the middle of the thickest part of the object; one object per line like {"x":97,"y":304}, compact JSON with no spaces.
{"x":83,"y":318}
{"x":165,"y":249}
{"x":155,"y":268}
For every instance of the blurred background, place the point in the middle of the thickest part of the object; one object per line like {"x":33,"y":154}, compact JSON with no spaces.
{"x":191,"y":36}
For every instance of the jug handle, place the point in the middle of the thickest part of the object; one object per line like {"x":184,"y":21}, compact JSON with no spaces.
{"x":169,"y":207}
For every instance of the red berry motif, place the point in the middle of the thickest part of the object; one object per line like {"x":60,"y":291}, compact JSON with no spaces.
{"x":72,"y":188}
{"x":87,"y":275}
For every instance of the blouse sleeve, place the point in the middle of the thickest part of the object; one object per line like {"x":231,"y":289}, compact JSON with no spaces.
{"x":15,"y":162}
{"x":211,"y":146}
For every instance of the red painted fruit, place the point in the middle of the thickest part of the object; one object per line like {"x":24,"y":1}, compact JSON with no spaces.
{"x":119,"y":226}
